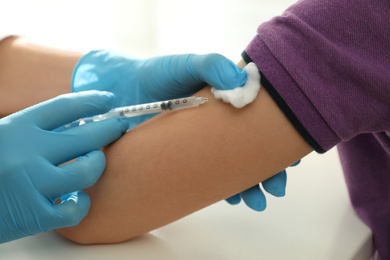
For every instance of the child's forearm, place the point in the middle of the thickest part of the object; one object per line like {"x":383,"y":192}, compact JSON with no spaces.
{"x":31,"y":73}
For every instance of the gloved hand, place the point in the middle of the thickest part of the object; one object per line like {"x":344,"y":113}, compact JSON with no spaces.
{"x":137,"y":81}
{"x":31,"y":179}
{"x":254,"y":197}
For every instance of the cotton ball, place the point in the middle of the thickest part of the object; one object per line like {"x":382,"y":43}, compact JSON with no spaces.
{"x":241,"y":96}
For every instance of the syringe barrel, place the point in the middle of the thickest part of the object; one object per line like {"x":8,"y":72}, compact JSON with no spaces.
{"x":155,"y":107}
{"x":136,"y":110}
{"x":188,"y":102}
{"x":144,"y":109}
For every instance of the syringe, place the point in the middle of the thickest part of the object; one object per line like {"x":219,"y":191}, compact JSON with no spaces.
{"x":143,"y":109}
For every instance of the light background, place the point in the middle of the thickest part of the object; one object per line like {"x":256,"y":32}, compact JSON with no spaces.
{"x":141,"y":27}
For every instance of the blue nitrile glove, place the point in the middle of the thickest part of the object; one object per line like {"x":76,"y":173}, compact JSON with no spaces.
{"x":137,"y":81}
{"x":254,"y":198}
{"x":31,"y":179}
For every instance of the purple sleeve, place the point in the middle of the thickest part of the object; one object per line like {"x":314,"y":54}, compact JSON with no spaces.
{"x":326,"y":63}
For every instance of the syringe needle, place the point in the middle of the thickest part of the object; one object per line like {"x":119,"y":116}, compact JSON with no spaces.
{"x":200,"y":100}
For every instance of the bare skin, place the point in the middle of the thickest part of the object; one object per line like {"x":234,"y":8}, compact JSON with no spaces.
{"x":30,"y":73}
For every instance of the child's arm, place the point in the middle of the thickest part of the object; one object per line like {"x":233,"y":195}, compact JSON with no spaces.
{"x":181,"y":161}
{"x":30,"y":73}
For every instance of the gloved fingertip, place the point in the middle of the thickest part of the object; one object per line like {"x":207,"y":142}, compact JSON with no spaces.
{"x":279,"y":193}
{"x":73,"y":208}
{"x":295,"y":164}
{"x":123,"y":124}
{"x":236,"y":78}
{"x":276,"y":191}
{"x":257,"y":205}
{"x":254,"y":198}
{"x":93,"y":163}
{"x":234,"y":200}
{"x":109,"y":97}
{"x":220,"y":72}
{"x":276,"y":185}
{"x":241,"y":75}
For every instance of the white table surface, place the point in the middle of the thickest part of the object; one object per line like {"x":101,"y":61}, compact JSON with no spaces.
{"x":314,"y":221}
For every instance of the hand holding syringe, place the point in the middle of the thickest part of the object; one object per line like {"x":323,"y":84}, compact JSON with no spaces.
{"x":143,"y":109}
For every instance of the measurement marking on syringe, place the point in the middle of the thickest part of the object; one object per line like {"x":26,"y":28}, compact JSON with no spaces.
{"x":142,"y":109}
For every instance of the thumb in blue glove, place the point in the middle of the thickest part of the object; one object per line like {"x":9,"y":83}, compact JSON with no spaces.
{"x":31,"y":179}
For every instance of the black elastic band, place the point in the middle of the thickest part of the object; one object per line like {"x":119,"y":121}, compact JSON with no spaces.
{"x":286,"y":109}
